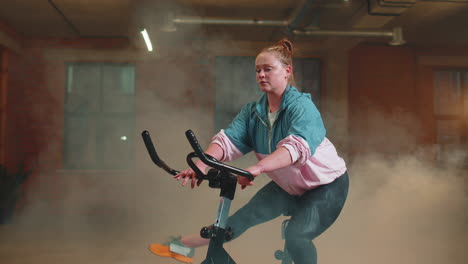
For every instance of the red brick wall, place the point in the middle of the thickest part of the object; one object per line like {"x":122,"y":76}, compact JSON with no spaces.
{"x":390,"y":95}
{"x":29,"y":109}
{"x":383,"y":113}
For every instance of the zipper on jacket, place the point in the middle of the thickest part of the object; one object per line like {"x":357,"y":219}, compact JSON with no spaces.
{"x":269,"y":131}
{"x":269,"y":139}
{"x":270,"y":134}
{"x":270,"y":128}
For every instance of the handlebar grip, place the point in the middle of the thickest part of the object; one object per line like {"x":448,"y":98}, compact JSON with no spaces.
{"x":194,"y":143}
{"x":211,"y":161}
{"x":154,"y":155}
{"x":194,"y":167}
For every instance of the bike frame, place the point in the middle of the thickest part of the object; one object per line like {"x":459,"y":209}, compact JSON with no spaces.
{"x":221,"y":176}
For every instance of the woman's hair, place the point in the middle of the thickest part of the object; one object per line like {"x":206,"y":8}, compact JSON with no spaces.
{"x":283,"y":51}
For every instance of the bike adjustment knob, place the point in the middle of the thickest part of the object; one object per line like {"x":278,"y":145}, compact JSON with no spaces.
{"x":207,"y":232}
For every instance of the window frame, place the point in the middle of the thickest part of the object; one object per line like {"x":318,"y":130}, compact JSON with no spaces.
{"x":445,"y":148}
{"x":100,"y":117}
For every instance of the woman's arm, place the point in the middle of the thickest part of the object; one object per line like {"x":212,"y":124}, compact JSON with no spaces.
{"x":280,"y":158}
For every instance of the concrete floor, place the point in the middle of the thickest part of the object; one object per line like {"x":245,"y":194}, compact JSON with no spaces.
{"x":51,"y":245}
{"x":38,"y":247}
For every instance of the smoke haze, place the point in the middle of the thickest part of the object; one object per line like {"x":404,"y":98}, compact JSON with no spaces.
{"x":401,"y":209}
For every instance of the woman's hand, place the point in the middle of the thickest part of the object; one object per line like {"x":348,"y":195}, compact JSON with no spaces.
{"x":255,"y":171}
{"x":213,"y":150}
{"x":243,"y":181}
{"x":189,"y":174}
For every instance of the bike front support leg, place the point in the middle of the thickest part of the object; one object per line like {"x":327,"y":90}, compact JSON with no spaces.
{"x":218,"y":232}
{"x":216,"y":253}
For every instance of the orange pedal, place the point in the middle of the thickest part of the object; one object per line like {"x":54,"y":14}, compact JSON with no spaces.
{"x":163,"y":251}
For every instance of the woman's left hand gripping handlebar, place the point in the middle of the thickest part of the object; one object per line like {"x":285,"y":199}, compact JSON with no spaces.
{"x":255,"y":171}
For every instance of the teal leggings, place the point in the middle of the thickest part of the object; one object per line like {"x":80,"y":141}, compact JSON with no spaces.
{"x":311,"y":214}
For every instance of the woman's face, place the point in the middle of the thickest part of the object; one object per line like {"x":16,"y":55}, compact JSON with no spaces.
{"x":272,"y":75}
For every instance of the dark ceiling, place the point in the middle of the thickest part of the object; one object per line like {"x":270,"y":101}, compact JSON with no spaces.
{"x":423,"y":22}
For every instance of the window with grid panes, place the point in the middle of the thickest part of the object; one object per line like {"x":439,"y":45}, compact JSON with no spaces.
{"x":451,"y":112}
{"x":99,"y":116}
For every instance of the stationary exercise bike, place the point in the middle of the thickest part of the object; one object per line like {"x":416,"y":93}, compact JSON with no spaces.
{"x":220,"y":176}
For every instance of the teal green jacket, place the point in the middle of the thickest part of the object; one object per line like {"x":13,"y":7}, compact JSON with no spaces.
{"x":298,"y":116}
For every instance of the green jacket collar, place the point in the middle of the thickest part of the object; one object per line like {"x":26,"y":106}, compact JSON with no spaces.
{"x":290,"y":94}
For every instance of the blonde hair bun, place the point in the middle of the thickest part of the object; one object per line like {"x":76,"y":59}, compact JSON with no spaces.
{"x":287,"y":44}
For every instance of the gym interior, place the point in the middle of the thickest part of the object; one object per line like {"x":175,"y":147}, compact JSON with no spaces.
{"x":81,"y":80}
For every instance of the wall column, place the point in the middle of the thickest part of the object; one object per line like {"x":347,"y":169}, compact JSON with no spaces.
{"x":3,"y":101}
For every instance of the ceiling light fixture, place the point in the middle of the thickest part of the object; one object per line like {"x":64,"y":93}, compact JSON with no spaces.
{"x":147,"y":39}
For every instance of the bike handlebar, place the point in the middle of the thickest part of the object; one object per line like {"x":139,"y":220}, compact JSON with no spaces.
{"x":205,"y":158}
{"x":154,"y":155}
{"x":212,"y":162}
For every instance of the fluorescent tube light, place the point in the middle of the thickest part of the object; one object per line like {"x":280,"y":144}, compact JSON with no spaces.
{"x":147,"y":40}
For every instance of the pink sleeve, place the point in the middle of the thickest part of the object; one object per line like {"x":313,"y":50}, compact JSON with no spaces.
{"x":297,"y":147}
{"x":231,"y":152}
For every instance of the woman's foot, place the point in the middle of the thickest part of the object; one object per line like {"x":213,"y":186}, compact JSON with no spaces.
{"x":174,"y":249}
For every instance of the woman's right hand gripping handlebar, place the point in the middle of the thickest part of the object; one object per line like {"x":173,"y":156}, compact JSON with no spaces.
{"x":189,"y":174}
{"x":216,"y":152}
{"x":213,"y":150}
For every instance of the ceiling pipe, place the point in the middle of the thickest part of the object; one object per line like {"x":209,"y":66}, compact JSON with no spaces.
{"x":223,"y":21}
{"x":293,"y":25}
{"x":396,"y":34}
